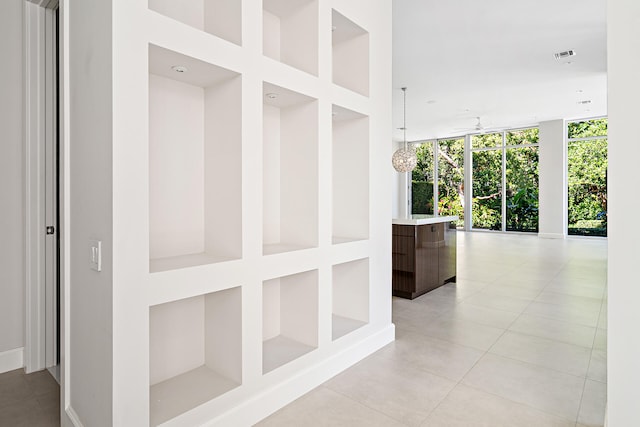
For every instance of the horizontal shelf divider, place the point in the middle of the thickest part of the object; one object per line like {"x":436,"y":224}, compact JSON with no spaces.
{"x":291,"y":78}
{"x":350,"y":100}
{"x":159,"y":265}
{"x":350,"y":251}
{"x":338,"y":240}
{"x":174,"y":285}
{"x":198,"y":44}
{"x":287,"y":263}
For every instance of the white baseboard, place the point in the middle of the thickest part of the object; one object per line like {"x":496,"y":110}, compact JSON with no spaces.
{"x":259,"y":406}
{"x":11,"y":360}
{"x":252,"y":411}
{"x":72,"y":419}
{"x":551,"y":235}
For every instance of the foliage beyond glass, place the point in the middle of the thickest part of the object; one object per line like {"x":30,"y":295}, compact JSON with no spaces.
{"x":587,"y":179}
{"x":451,"y":178}
{"x":587,"y":128}
{"x":422,"y":181}
{"x":522,"y":189}
{"x":487,"y":189}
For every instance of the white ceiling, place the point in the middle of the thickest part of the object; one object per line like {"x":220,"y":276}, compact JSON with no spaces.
{"x":495,"y":59}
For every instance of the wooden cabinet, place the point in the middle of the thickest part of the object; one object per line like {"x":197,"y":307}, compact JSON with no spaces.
{"x":424,"y":258}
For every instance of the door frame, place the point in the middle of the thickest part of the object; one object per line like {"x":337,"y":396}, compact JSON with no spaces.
{"x":39,"y":117}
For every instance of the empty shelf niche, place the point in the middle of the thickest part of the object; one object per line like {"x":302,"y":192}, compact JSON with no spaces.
{"x":350,"y":54}
{"x":195,"y":352}
{"x":350,"y":297}
{"x":350,"y":175}
{"x":194,"y":162}
{"x":290,"y":318}
{"x":222,"y":18}
{"x":290,"y":170}
{"x":290,"y":30}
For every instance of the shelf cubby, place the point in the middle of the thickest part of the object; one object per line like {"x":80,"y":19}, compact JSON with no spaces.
{"x":195,"y":352}
{"x":290,"y":318}
{"x":222,"y":18}
{"x":195,"y":162}
{"x":350,"y":175}
{"x":290,"y":33}
{"x":350,"y":46}
{"x":290,"y":170}
{"x":350,"y":297}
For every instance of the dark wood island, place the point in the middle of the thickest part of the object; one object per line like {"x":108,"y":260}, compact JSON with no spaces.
{"x":424,"y":254}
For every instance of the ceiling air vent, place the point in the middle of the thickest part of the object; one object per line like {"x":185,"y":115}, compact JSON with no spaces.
{"x":585,"y":102}
{"x":565,"y":54}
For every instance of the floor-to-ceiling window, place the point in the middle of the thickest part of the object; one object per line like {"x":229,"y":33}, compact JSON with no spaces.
{"x":422,"y":179}
{"x":450,"y":182}
{"x":437,"y":182}
{"x":487,"y":179}
{"x":505,"y":180}
{"x":521,"y":172}
{"x":587,"y":177}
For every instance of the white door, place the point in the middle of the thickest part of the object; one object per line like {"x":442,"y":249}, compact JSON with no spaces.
{"x":51,"y":174}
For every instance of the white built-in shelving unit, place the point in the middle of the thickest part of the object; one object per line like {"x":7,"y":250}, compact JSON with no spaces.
{"x":350,"y":178}
{"x":263,"y":264}
{"x":221,"y":18}
{"x":195,"y":162}
{"x":290,"y":33}
{"x":289,"y":318}
{"x":350,"y":44}
{"x":195,"y":351}
{"x":290,"y":170}
{"x":350,"y":302}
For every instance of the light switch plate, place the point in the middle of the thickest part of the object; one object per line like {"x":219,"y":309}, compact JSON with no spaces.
{"x":95,"y":255}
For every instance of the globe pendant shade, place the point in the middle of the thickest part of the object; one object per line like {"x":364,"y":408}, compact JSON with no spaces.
{"x":404,"y":159}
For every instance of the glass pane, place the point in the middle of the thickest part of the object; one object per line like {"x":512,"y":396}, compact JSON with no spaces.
{"x":451,"y":178}
{"x":422,"y":181}
{"x":587,"y":128}
{"x":587,"y":178}
{"x":487,"y":140}
{"x":522,"y":189}
{"x":487,"y":189}
{"x":522,"y":136}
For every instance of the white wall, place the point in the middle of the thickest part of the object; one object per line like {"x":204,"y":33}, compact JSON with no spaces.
{"x":624,"y":234}
{"x":11,"y":179}
{"x":553,"y":181}
{"x":90,"y":331}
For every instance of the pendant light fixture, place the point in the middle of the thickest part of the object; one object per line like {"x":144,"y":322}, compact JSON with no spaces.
{"x":405,"y":158}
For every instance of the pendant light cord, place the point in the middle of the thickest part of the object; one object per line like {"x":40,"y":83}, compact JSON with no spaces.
{"x":404,"y":124}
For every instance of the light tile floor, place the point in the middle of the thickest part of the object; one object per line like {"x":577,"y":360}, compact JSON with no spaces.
{"x":518,"y":340}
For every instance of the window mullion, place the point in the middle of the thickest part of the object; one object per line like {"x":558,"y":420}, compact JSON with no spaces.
{"x":468,"y":184}
{"x":436,"y":196}
{"x":504,"y":182}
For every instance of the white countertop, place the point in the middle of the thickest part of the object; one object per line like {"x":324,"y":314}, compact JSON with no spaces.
{"x":423,"y":219}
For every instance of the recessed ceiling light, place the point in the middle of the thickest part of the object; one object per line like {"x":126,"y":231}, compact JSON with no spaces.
{"x":334,"y":113}
{"x":584,"y":102}
{"x":271,"y":95}
{"x":333,"y":28}
{"x":179,"y":68}
{"x":579,"y":91}
{"x":431,"y":101}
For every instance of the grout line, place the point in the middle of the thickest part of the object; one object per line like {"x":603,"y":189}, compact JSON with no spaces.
{"x":366,"y":405}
